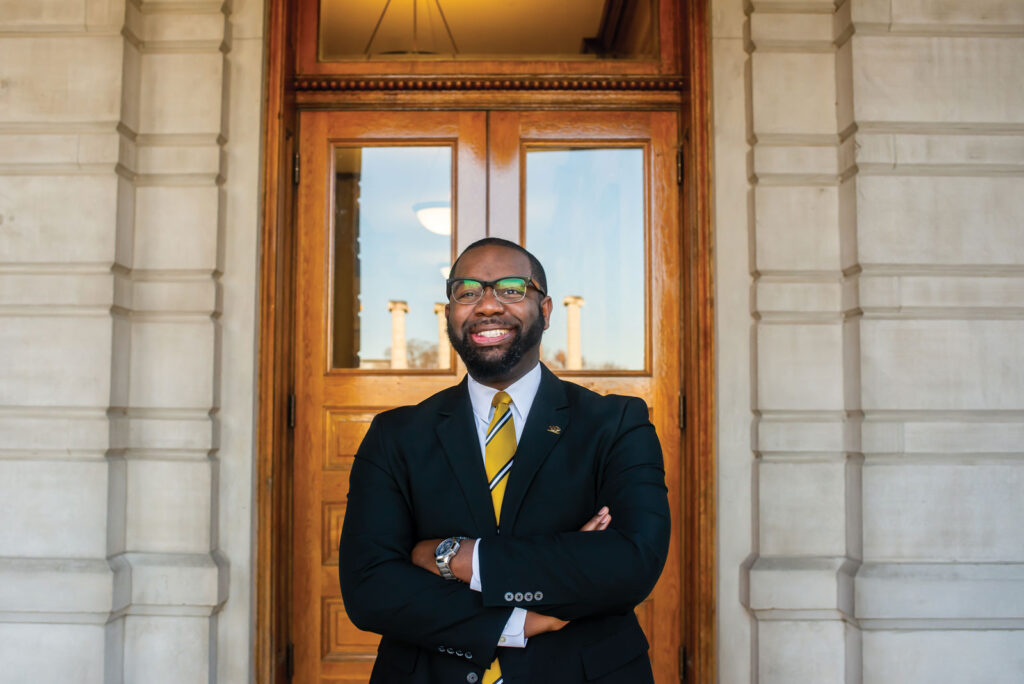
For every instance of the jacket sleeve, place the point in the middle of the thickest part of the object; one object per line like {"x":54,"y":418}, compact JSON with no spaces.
{"x":582,"y":574}
{"x":383,"y":591}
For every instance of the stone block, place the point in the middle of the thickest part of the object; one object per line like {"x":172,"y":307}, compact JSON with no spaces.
{"x":67,"y":79}
{"x":970,"y":152}
{"x":68,"y":434}
{"x":942,"y":364}
{"x":38,"y":223}
{"x":772,"y":27}
{"x":188,"y":294}
{"x":822,"y":587}
{"x":176,"y":227}
{"x":204,"y":28}
{"x":808,"y":652}
{"x":156,"y":582}
{"x":181,"y":93}
{"x":787,"y":435}
{"x":794,"y":94}
{"x":77,"y":590}
{"x":940,"y":435}
{"x":799,"y":161}
{"x":892,"y":293}
{"x":52,"y":653}
{"x":168,"y":506}
{"x":936,"y":512}
{"x":940,"y":220}
{"x":966,"y":595}
{"x":195,"y":160}
{"x":799,"y":367}
{"x":796,"y":228}
{"x":925,"y":656}
{"x":55,"y":361}
{"x":86,"y":290}
{"x":166,"y":650}
{"x":976,"y":13}
{"x":247,"y":20}
{"x":172,"y":364}
{"x":53,"y":509}
{"x":948,"y":80}
{"x":871,"y":11}
{"x":802,"y":508}
{"x":782,"y":295}
{"x":190,"y":432}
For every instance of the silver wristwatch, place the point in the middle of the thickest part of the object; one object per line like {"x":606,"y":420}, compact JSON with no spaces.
{"x":444,"y":553}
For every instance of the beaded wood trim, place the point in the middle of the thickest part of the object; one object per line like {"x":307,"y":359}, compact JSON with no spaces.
{"x":435,"y":84}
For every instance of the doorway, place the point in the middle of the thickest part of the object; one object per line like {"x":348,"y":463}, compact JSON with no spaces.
{"x":499,"y":123}
{"x":585,"y":191}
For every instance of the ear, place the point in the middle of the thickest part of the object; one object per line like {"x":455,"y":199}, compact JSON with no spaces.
{"x":545,"y":308}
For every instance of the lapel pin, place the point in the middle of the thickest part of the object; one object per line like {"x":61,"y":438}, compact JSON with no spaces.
{"x":554,"y":429}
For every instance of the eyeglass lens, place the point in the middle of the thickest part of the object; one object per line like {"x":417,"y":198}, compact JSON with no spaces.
{"x":506,"y":290}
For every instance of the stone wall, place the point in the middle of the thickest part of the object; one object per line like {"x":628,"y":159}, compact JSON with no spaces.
{"x":127,"y":226}
{"x":884,"y":186}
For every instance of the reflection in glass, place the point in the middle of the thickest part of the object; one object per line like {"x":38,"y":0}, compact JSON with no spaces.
{"x":469,"y":29}
{"x":389,"y":259}
{"x":585,"y":222}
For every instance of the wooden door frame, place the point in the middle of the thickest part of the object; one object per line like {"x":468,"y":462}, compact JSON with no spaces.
{"x":275,"y":373}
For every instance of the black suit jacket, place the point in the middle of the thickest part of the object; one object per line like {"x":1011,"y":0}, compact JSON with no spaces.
{"x":419,"y":474}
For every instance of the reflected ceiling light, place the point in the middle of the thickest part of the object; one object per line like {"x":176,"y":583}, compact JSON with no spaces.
{"x":434,"y":216}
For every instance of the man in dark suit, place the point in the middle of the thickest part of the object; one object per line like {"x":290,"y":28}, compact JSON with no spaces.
{"x":503,"y":530}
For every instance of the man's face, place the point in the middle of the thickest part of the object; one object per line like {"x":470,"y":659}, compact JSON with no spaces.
{"x":498,"y":342}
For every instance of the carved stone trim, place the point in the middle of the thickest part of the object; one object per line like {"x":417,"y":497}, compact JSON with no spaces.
{"x":463,"y":84}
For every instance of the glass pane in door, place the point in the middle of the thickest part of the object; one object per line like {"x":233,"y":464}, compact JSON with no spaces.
{"x":392,"y":249}
{"x":585,"y":215}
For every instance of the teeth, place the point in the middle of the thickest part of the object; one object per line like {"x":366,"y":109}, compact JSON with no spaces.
{"x":492,"y":333}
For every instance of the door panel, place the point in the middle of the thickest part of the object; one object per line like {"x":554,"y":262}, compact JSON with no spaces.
{"x":345,"y":375}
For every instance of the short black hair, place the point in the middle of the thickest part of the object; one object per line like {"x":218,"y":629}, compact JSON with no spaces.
{"x":536,"y":269}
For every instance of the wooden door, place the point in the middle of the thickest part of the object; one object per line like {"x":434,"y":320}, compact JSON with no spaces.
{"x":593,"y":194}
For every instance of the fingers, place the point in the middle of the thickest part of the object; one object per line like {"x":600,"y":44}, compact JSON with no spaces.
{"x":599,"y":522}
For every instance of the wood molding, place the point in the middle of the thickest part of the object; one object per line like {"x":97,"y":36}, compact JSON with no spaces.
{"x":414,"y":83}
{"x":700,"y":635}
{"x":273,"y":379}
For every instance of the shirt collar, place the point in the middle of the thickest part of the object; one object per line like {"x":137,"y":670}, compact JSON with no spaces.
{"x":522,"y":391}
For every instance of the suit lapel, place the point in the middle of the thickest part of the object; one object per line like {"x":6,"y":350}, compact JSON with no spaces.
{"x":547,"y":421}
{"x":458,"y":436}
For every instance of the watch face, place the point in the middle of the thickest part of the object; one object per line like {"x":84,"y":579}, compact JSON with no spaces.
{"x":445,"y":547}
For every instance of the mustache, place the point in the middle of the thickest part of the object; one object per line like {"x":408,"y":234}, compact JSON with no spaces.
{"x":473,"y":326}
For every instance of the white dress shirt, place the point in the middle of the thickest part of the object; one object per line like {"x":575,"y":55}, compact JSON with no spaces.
{"x":522,"y":392}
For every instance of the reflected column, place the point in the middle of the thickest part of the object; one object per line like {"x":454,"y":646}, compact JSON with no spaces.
{"x":444,"y":350}
{"x":399,"y":355}
{"x":573,"y":346}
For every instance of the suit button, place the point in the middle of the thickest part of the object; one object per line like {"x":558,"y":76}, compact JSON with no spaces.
{"x":538,"y":595}
{"x":451,"y":651}
{"x":472,"y":677}
{"x":528,"y":596}
{"x":508,"y":596}
{"x":519,"y":596}
{"x":501,"y":640}
{"x":469,"y":655}
{"x":458,"y":653}
{"x":440,"y":649}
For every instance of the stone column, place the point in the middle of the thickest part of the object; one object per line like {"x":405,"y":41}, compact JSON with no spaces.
{"x":399,"y":355}
{"x":807,"y":400}
{"x":444,"y":348}
{"x":573,"y":347}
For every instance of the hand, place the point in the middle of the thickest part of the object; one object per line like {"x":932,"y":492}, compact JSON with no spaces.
{"x":539,"y":624}
{"x":599,"y":522}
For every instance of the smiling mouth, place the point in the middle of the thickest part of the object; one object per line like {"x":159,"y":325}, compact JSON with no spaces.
{"x":491,"y":337}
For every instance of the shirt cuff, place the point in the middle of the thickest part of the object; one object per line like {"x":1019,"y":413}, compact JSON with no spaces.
{"x":514,"y":635}
{"x":474,"y":581}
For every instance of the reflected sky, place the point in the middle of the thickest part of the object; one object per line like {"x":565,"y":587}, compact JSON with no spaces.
{"x":399,"y":258}
{"x":585,"y":222}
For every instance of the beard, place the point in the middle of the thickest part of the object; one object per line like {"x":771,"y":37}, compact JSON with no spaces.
{"x":484,"y":367}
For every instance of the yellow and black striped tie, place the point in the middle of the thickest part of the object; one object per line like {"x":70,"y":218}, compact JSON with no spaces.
{"x":499,"y":450}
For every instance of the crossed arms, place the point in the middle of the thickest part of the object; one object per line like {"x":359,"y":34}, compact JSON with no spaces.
{"x":583,"y":573}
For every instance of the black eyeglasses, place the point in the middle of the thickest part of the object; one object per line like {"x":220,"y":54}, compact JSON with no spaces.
{"x":507,"y":290}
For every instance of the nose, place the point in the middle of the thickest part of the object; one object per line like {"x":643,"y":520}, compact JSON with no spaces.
{"x":489,"y":305}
